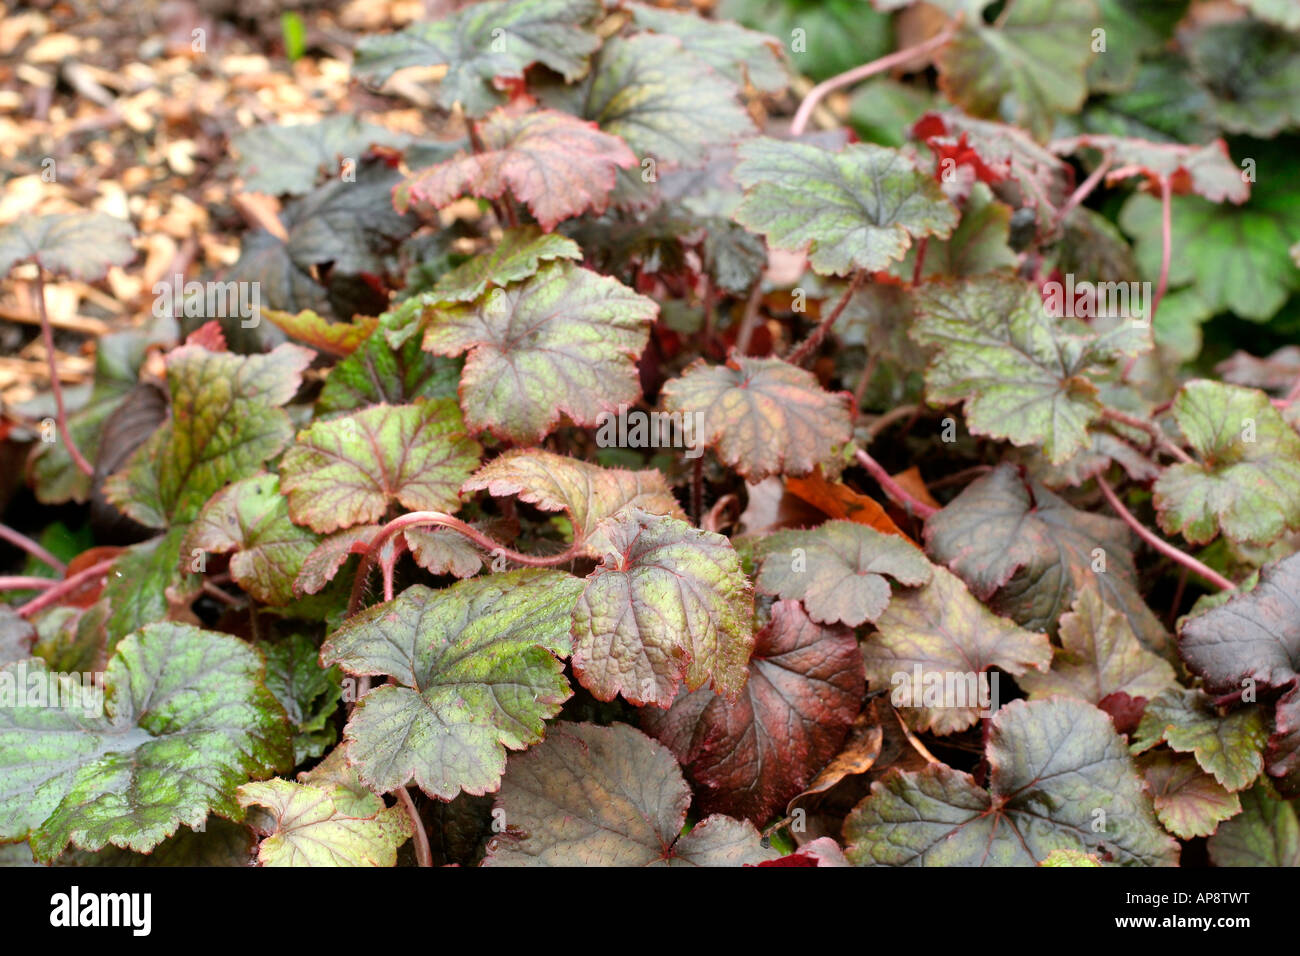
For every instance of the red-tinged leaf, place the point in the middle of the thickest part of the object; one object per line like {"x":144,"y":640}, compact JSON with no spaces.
{"x":557,"y":165}
{"x":608,"y":796}
{"x":749,"y":757}
{"x":563,"y":342}
{"x":822,"y":851}
{"x":667,"y":604}
{"x":763,"y":416}
{"x":1254,"y":639}
{"x":587,"y":493}
{"x":1033,"y":177}
{"x":208,"y":336}
{"x":1205,"y":170}
{"x":1188,"y":801}
{"x":348,"y":470}
{"x":837,"y":500}
{"x":226,"y":421}
{"x":333,"y":338}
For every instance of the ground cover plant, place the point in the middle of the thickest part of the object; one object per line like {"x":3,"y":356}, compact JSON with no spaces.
{"x":764,"y":433}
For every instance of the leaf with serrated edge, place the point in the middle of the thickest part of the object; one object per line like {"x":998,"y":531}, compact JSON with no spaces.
{"x":838,"y":570}
{"x":563,"y":342}
{"x":557,"y":165}
{"x":733,"y":51}
{"x":225,"y":422}
{"x":667,"y":603}
{"x":748,"y":758}
{"x":1205,"y":170}
{"x":517,"y":256}
{"x":1053,"y":765}
{"x":1247,"y":484}
{"x":1254,"y":638}
{"x":1028,"y":68}
{"x":665,"y":102}
{"x":1227,"y":746}
{"x":348,"y":470}
{"x":377,"y":372}
{"x":1022,"y":373}
{"x":1265,"y":833}
{"x":1099,"y":656}
{"x":251,"y":518}
{"x":587,"y":492}
{"x":860,"y":208}
{"x":1188,"y":802}
{"x":289,"y":158}
{"x":475,"y":671}
{"x":304,"y":826}
{"x":78,"y":245}
{"x":186,"y":719}
{"x":947,"y":636}
{"x":484,"y":42}
{"x":609,"y":796}
{"x":1034,"y":551}
{"x":764,"y":416}
{"x":308,"y":692}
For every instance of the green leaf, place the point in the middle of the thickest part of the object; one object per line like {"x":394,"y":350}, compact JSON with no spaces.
{"x":1099,"y":656}
{"x":1036,"y":553}
{"x":750,"y":756}
{"x":563,"y":342}
{"x":763,"y":416}
{"x":587,"y":493}
{"x":475,"y":671}
{"x":281,"y":159}
{"x":348,"y":470}
{"x":1265,"y":833}
{"x":1027,"y":70}
{"x":860,"y":208}
{"x":1188,"y":802}
{"x":942,"y":633}
{"x":1134,"y":28}
{"x":311,"y":825}
{"x":738,"y":54}
{"x":186,"y":720}
{"x":977,"y":246}
{"x":1247,"y":484}
{"x":1227,"y":747}
{"x":251,"y":518}
{"x":557,"y":165}
{"x":81,"y":245}
{"x":219,"y":843}
{"x":1253,"y":638}
{"x":379,"y":373}
{"x":838,"y":34}
{"x":1252,"y":71}
{"x":1024,"y":375}
{"x":225,"y":423}
{"x":484,"y":42}
{"x":518,"y":255}
{"x":609,"y":796}
{"x":667,"y":603}
{"x":1069,"y":858}
{"x":1057,"y":768}
{"x":308,"y":692}
{"x":838,"y":570}
{"x":664,"y":101}
{"x":148,"y":581}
